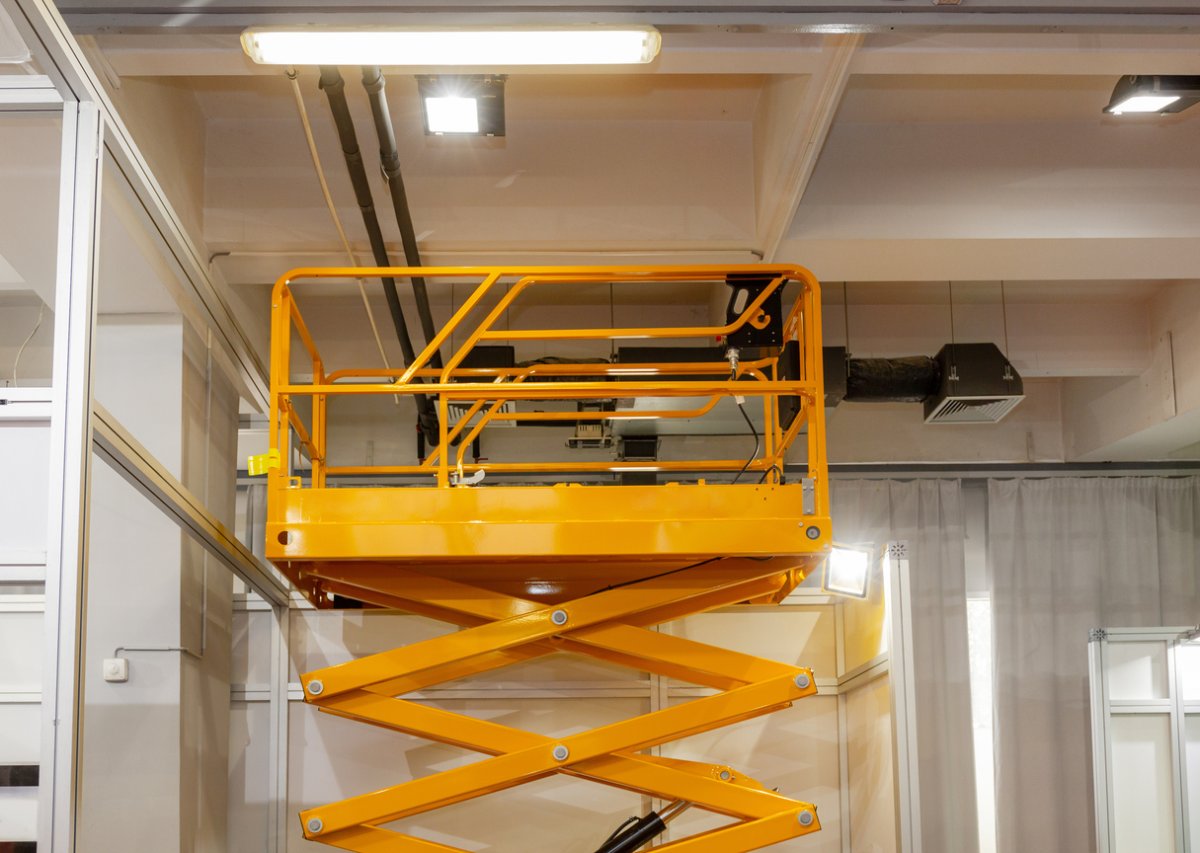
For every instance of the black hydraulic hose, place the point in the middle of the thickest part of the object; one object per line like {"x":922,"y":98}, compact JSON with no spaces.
{"x":334,"y":88}
{"x":373,"y":82}
{"x":637,"y":835}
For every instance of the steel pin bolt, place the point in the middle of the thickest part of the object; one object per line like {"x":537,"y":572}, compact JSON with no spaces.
{"x":726,"y":775}
{"x":315,"y":825}
{"x":802,"y":681}
{"x":316,"y":688}
{"x":561,"y":753}
{"x":806,"y":818}
{"x":559,"y":617}
{"x":813,"y":532}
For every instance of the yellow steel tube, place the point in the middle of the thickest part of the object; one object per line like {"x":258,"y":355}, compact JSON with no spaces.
{"x":720,"y":368}
{"x":448,"y":330}
{"x":504,"y":771}
{"x":563,"y":390}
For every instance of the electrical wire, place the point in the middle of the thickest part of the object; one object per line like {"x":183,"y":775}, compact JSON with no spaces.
{"x":21,"y":350}
{"x":628,"y":822}
{"x":757,"y":443}
{"x":337,"y":221}
{"x":657,"y":576}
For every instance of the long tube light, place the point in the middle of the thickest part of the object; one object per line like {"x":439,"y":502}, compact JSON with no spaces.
{"x":447,"y":46}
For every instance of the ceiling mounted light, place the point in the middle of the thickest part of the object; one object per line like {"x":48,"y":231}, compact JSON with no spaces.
{"x":1153,"y":94}
{"x":463,"y":104}
{"x":848,"y":571}
{"x":449,"y":46}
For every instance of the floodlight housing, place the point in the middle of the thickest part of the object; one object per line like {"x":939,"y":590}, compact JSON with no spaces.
{"x":1158,"y":93}
{"x":458,"y":104}
{"x":847,"y":571}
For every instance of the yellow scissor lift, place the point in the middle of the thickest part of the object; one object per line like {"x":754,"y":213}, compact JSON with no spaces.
{"x":527,"y":570}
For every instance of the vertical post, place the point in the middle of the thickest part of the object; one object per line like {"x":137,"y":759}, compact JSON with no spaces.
{"x":1101,"y":756}
{"x":277,"y":750}
{"x":443,"y":472}
{"x":318,"y":427}
{"x":70,"y":474}
{"x":904,"y":698}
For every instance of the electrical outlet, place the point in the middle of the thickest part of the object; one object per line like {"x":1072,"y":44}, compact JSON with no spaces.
{"x":116,"y":669}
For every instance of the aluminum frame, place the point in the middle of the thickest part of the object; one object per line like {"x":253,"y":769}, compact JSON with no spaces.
{"x":1104,"y":708}
{"x":904,"y":698}
{"x":91,"y":128}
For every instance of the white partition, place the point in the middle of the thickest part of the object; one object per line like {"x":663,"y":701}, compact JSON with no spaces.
{"x":1145,"y":689}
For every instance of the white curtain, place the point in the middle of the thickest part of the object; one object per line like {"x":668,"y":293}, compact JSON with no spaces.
{"x":1067,"y":555}
{"x":929,"y":515}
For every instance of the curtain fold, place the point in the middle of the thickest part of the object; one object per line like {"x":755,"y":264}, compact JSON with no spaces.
{"x":928,"y":514}
{"x":1064,"y":556}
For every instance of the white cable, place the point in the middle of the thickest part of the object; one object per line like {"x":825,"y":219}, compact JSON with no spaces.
{"x":25,"y":343}
{"x":337,"y":222}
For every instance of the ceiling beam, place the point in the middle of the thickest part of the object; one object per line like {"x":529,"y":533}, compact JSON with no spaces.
{"x":714,"y":51}
{"x":829,"y":16}
{"x":794,"y":120}
{"x":1011,"y":259}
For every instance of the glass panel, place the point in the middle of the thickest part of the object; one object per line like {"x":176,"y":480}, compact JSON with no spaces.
{"x":250,"y":730}
{"x":159,"y":369}
{"x":1187,"y":659}
{"x":15,"y":57}
{"x":156,"y":726}
{"x":29,"y":170}
{"x":870,"y":781}
{"x":20,"y":631}
{"x":1192,"y":737}
{"x":19,"y":756}
{"x":1143,"y":797}
{"x":20,"y":725}
{"x":24,"y":499}
{"x":1137,"y":670}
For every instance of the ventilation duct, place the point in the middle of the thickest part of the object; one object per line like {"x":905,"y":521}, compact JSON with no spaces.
{"x":962,"y":384}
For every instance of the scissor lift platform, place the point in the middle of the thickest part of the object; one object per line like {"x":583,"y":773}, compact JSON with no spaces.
{"x":530,"y":568}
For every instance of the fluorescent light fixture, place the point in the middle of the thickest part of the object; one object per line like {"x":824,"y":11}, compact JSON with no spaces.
{"x":1144,"y":94}
{"x":451,"y":46}
{"x":463,"y":104}
{"x":848,"y":571}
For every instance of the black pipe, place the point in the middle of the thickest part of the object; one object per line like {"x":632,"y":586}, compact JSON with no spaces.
{"x":335,"y":90}
{"x":373,"y":82}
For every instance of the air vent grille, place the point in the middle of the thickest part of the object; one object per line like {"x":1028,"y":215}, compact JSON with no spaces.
{"x":978,"y":386}
{"x":972,"y":410}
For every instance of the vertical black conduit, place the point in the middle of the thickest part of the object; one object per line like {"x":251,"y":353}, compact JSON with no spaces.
{"x":334,"y":88}
{"x":373,"y":82}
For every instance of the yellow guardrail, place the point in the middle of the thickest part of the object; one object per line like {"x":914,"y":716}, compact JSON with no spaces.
{"x":483,"y":391}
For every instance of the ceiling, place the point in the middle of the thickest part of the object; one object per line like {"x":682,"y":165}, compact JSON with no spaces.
{"x":892,"y":158}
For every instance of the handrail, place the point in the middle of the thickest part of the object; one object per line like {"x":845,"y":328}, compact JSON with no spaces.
{"x":486,"y":390}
